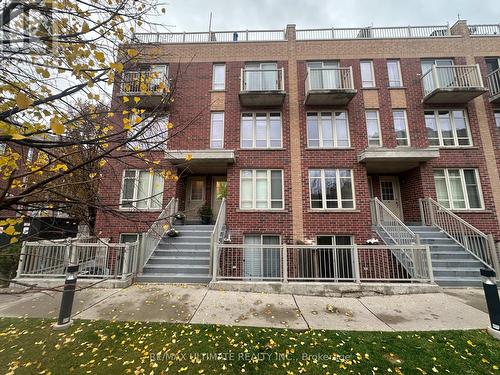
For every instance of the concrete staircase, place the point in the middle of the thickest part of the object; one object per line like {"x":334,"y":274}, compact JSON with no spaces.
{"x":182,"y":259}
{"x":453,"y":266}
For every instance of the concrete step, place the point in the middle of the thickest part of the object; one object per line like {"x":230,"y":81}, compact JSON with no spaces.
{"x":452,"y":255}
{"x":192,"y":253}
{"x":173,"y":278}
{"x":456,"y":263}
{"x":437,"y":241}
{"x":185,"y":239}
{"x":195,"y":227}
{"x":184,"y":246}
{"x":458,"y":282}
{"x":193,"y":260}
{"x":456,"y":272}
{"x":446,"y":247}
{"x":191,"y":233}
{"x":183,"y":269}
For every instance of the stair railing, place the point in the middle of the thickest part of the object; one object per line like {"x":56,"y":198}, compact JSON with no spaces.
{"x":477,"y":243}
{"x":216,"y":236}
{"x":152,"y":237}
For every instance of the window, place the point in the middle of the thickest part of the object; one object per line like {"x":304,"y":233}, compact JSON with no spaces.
{"x":324,"y":75}
{"x":458,"y":188}
{"x":261,"y":130}
{"x":261,"y":262}
{"x":427,"y":64}
{"x":149,"y":131}
{"x":373,"y":128}
{"x":367,"y":75}
{"x":261,"y":77}
{"x":219,"y":77}
{"x":129,"y":237}
{"x":394,"y":72}
{"x":141,"y":189}
{"x":497,"y":120}
{"x":217,"y":130}
{"x":30,"y":154}
{"x":401,"y":127}
{"x":331,"y":189}
{"x":327,"y":129}
{"x":492,"y":63}
{"x":261,"y":189}
{"x":3,"y":147}
{"x":447,"y":128}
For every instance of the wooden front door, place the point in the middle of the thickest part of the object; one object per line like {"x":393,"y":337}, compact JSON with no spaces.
{"x":195,"y":196}
{"x":390,"y":194}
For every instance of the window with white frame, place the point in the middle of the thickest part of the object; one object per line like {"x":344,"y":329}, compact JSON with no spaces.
{"x":394,"y":73}
{"x":141,"y":189}
{"x":324,"y":75}
{"x":367,"y":74}
{"x":261,"y":189}
{"x":129,"y":237}
{"x":149,"y":131}
{"x":401,"y":127}
{"x":217,"y":130}
{"x":219,"y":77}
{"x":331,"y":189}
{"x":492,"y":64}
{"x":447,"y":128}
{"x":373,"y":128}
{"x":497,"y":120}
{"x":261,"y":261}
{"x":458,"y":188}
{"x":327,"y":129}
{"x":261,"y":130}
{"x":3,"y":147}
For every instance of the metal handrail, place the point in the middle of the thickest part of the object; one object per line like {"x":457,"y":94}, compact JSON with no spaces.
{"x":216,"y":234}
{"x":341,"y":77}
{"x":477,"y":243}
{"x":279,"y":80}
{"x":454,"y":76}
{"x":494,"y":82}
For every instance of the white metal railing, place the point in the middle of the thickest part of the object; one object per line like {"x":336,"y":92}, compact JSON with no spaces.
{"x":329,"y":79}
{"x":152,"y":237}
{"x":353,"y":263}
{"x":211,"y":37}
{"x":96,"y":259}
{"x":494,"y":82}
{"x":218,"y":232}
{"x":490,"y":29}
{"x":374,"y":32}
{"x":143,"y":82}
{"x":262,"y":80}
{"x":449,"y":77}
{"x":477,"y":243}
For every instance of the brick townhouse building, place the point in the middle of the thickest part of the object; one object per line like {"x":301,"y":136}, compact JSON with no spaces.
{"x":317,"y":137}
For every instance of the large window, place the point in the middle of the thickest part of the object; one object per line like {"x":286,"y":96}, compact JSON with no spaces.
{"x":261,"y":189}
{"x":447,"y":128}
{"x":141,"y":189}
{"x":401,"y":127}
{"x":458,"y":188}
{"x":262,"y":262}
{"x":331,"y":189}
{"x":261,"y":130}
{"x":373,"y":128}
{"x":261,"y":77}
{"x":367,"y":74}
{"x":217,"y":130}
{"x":327,"y":129}
{"x":219,"y":77}
{"x":324,"y":75}
{"x":148,"y":131}
{"x":497,"y":120}
{"x":492,"y":63}
{"x":394,"y":73}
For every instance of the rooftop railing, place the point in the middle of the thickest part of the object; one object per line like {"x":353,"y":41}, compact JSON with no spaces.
{"x":487,"y":29}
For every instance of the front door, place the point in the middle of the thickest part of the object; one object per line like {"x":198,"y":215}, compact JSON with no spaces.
{"x":218,"y":191}
{"x":390,"y":194}
{"x":195,"y":196}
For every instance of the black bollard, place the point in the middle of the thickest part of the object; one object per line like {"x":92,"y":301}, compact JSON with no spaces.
{"x":68,"y":296}
{"x":492,"y":301}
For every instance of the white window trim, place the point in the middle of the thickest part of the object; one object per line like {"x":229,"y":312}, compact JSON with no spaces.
{"x":129,"y":234}
{"x":213,"y":78}
{"x":262,"y":235}
{"x":268,"y":131}
{"x":398,"y":63}
{"x":211,"y":129}
{"x":453,"y":128}
{"x":380,"y":143}
{"x":334,"y":131}
{"x":406,"y":125}
{"x":496,"y":116}
{"x":136,"y":190}
{"x":464,"y":189}
{"x":323,"y":190}
{"x":254,"y":190}
{"x":373,"y":74}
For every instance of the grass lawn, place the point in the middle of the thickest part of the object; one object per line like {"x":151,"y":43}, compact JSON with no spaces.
{"x":30,"y":346}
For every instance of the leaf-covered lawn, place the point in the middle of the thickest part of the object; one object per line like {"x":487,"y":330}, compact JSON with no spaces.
{"x":30,"y":346}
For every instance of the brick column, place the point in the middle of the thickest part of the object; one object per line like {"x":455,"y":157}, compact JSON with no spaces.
{"x":295,"y":157}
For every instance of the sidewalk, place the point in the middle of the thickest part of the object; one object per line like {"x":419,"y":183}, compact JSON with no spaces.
{"x":454,"y":309}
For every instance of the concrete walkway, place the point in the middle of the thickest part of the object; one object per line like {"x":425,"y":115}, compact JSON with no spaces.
{"x":454,"y":309}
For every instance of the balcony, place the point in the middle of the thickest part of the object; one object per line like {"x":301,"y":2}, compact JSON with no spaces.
{"x":152,"y":89}
{"x":395,"y":160}
{"x":262,"y":87}
{"x":494,"y":85}
{"x":329,"y":86}
{"x":452,"y":84}
{"x":201,"y":161}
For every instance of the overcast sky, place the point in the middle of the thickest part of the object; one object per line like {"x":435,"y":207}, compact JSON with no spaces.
{"x":193,"y":15}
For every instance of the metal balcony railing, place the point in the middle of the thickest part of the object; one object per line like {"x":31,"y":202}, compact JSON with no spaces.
{"x":329,"y":79}
{"x":256,"y":80}
{"x":494,"y":83}
{"x":143,"y":83}
{"x":452,"y":77}
{"x":482,"y":30}
{"x":211,"y":37}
